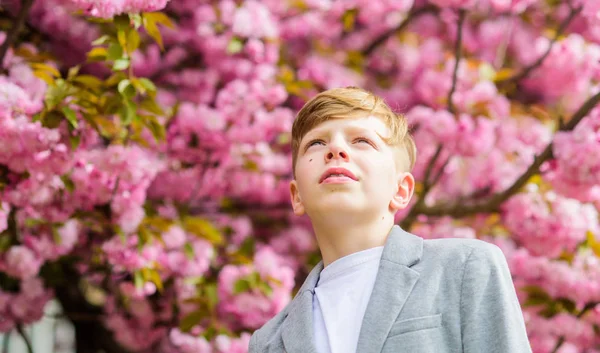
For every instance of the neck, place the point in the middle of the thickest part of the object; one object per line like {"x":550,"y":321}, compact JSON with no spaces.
{"x":340,"y":239}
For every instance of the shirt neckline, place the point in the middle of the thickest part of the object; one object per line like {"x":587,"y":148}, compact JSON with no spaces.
{"x":348,"y":262}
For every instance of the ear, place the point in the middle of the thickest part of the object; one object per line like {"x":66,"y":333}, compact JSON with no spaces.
{"x":404,"y":192}
{"x":297,"y":204}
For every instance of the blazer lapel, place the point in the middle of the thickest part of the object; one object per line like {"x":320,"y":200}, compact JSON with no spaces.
{"x":394,"y":283}
{"x":297,"y":329}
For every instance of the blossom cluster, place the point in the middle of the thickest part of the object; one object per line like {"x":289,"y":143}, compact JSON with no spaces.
{"x":190,"y":239}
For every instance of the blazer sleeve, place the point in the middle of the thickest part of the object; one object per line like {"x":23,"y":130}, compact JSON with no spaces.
{"x":253,"y":346}
{"x":491,"y":316}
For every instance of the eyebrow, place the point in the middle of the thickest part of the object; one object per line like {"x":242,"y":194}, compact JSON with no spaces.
{"x":348,"y":129}
{"x":318,"y":133}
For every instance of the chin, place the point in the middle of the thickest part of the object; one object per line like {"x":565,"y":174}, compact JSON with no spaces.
{"x":341,"y":203}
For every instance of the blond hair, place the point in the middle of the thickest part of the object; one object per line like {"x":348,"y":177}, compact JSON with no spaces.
{"x":351,"y":102}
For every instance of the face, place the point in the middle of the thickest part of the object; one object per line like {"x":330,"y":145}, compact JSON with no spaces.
{"x":344,"y":167}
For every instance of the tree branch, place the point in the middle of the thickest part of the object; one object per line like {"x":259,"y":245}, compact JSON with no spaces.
{"x":561,"y":340}
{"x":493,"y":203}
{"x":25,"y":338}
{"x":457,"y":55}
{"x":527,"y":70}
{"x":428,"y":183}
{"x":16,"y":28}
{"x":412,"y":15}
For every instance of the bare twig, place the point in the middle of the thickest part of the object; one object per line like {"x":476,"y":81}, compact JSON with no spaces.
{"x":493,"y":203}
{"x":527,"y":70}
{"x":16,"y":28}
{"x":457,"y":56}
{"x":25,"y":338}
{"x":427,"y":185}
{"x":412,"y":15}
{"x":561,"y":340}
{"x":428,"y":182}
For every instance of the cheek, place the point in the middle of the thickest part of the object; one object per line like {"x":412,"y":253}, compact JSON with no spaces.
{"x":382,"y":174}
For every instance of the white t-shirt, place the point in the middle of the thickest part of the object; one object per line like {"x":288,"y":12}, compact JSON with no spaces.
{"x":341,"y":297}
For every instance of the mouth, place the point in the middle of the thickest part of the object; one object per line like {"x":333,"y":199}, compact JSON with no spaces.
{"x":337,"y":175}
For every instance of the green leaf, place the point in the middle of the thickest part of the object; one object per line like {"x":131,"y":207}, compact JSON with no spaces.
{"x":235,"y":46}
{"x":112,"y":105}
{"x":56,"y":236}
{"x":115,"y":78}
{"x":126,"y":88}
{"x":138,"y":279}
{"x":568,"y":305}
{"x":73,"y":71}
{"x":203,"y":229}
{"x":52,"y":120}
{"x":192,"y":319}
{"x":121,"y":64}
{"x":136,"y":18}
{"x":97,"y":54}
{"x":247,"y":246}
{"x":69,"y":184}
{"x":593,"y":243}
{"x":536,"y":296}
{"x":188,"y":251}
{"x":127,"y":113}
{"x":88,"y":81}
{"x":122,"y":37}
{"x":349,"y":19}
{"x":154,"y":277}
{"x":160,"y":17}
{"x":150,"y":105}
{"x":133,"y":41}
{"x":121,"y":22}
{"x":210,"y":290}
{"x":47,"y":68}
{"x":55,"y":95}
{"x":5,"y":242}
{"x":149,"y":85}
{"x":241,"y":286}
{"x":265,"y":288}
{"x":157,"y":129}
{"x":75,"y":141}
{"x":105,"y":38}
{"x":71,"y":116}
{"x":33,"y":222}
{"x":152,"y":29}
{"x":43,"y":75}
{"x":115,"y":51}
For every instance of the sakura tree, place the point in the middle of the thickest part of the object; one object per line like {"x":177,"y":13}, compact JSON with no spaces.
{"x":145,"y":156}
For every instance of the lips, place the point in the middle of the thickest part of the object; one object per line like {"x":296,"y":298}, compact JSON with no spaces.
{"x":337,"y":171}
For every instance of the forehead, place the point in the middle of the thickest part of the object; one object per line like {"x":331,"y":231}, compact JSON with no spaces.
{"x":370,"y":124}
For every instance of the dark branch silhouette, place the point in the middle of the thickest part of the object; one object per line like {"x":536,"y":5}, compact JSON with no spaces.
{"x":412,"y":15}
{"x":527,"y":70}
{"x":493,"y":203}
{"x":457,"y":55}
{"x":428,"y":182}
{"x":12,"y":35}
{"x":561,"y":340}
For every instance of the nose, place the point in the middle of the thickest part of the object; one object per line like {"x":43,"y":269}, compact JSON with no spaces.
{"x":336,"y":151}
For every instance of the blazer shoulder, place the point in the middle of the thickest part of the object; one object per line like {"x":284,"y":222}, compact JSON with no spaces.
{"x":261,"y":337}
{"x":460,"y":249}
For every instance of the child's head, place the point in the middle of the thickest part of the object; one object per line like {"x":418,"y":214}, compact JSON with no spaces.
{"x":355,"y":130}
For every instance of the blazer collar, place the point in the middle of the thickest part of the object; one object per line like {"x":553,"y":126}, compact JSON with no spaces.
{"x":395,"y":280}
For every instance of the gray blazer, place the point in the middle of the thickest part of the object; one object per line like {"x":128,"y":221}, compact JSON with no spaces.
{"x":430,"y":296}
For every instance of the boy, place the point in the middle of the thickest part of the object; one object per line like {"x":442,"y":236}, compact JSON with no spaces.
{"x":379,"y":288}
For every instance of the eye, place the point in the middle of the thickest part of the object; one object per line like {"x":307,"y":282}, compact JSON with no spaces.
{"x":362,"y":140}
{"x":315,"y":142}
